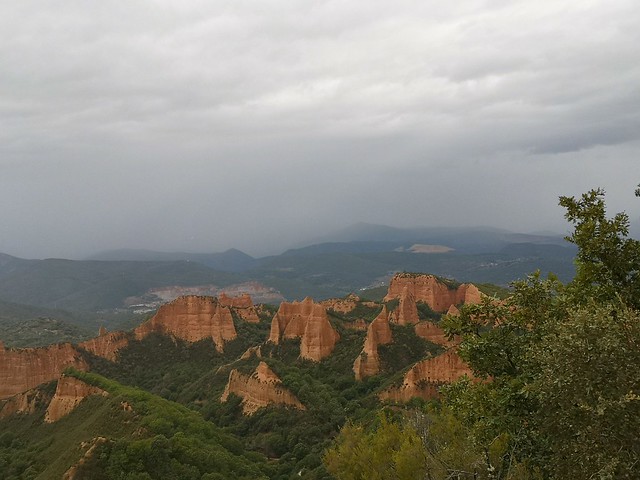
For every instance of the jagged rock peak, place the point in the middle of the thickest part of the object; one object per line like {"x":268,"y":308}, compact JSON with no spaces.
{"x":192,"y":318}
{"x":378,"y":333}
{"x":263,"y":387}
{"x":407,"y":311}
{"x":70,"y":391}
{"x":309,"y":322}
{"x":432,"y":291}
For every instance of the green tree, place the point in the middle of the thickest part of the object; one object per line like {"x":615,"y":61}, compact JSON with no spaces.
{"x":560,"y":363}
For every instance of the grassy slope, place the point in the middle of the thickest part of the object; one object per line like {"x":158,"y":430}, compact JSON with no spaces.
{"x":30,"y":448}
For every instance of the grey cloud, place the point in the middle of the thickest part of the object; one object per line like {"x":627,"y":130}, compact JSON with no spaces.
{"x":206,"y":125}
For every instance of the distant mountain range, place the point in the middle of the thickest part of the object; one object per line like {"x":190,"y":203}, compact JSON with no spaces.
{"x":356,"y":258}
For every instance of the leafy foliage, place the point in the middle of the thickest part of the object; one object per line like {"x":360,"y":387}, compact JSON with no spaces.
{"x":562,"y":360}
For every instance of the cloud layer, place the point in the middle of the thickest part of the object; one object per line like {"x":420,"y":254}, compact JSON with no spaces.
{"x":205,"y":125}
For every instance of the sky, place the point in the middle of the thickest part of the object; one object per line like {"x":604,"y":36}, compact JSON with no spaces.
{"x":204,"y":125}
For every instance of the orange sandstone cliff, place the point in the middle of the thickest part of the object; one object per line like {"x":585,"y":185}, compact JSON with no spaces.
{"x":261,"y":388}
{"x":242,"y":305}
{"x":424,"y":378}
{"x":21,"y":369}
{"x":309,"y":322}
{"x":407,"y":311}
{"x":106,"y":344}
{"x":341,"y":305}
{"x":192,"y":318}
{"x":378,"y":333}
{"x":428,"y":289}
{"x":69,"y":393}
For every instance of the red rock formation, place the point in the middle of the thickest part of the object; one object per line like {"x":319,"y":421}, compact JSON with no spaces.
{"x":22,"y":403}
{"x":378,"y":333}
{"x":25,"y":368}
{"x":192,"y":319}
{"x":407,"y":311}
{"x":428,"y":289}
{"x":426,"y":376}
{"x":261,"y":388}
{"x":358,"y":324}
{"x":309,"y":322}
{"x":69,"y":393}
{"x":434,"y":334}
{"x":107,"y":345}
{"x":241,"y":305}
{"x":342,"y":305}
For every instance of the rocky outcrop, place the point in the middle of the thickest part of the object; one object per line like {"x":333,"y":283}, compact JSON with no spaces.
{"x":74,"y":472}
{"x":407,"y":311}
{"x":69,"y":393}
{"x":22,"y":403}
{"x":309,"y":322}
{"x":250,"y":352}
{"x":107,"y":344}
{"x":424,"y":378}
{"x":359,"y":324}
{"x":242,"y":305}
{"x":434,"y":334}
{"x":21,"y":369}
{"x":435,"y":293}
{"x":261,"y":388}
{"x":342,"y":305}
{"x":453,"y":311}
{"x":378,"y":333}
{"x":191,"y":319}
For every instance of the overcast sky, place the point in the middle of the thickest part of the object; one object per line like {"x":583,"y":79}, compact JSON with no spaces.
{"x":204,"y":125}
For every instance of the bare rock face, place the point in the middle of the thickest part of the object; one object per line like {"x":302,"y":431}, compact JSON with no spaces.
{"x":92,"y":446}
{"x":434,"y":334}
{"x":22,"y":369}
{"x":261,"y":388}
{"x":69,"y":393}
{"x":426,"y":376}
{"x":106,"y":345}
{"x":428,"y":289}
{"x":407,"y":311}
{"x":453,"y":311}
{"x":378,"y":333}
{"x":359,"y":324}
{"x":192,"y":318}
{"x":251,"y":351}
{"x":309,"y":322}
{"x":21,"y":403}
{"x":342,"y":305}
{"x":242,"y":305}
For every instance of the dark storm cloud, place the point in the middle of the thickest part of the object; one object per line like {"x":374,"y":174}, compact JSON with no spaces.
{"x":205,"y":125}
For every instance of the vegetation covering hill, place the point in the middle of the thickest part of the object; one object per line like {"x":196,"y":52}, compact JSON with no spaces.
{"x":149,"y":438}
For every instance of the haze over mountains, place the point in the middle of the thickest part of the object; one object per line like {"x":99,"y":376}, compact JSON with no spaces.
{"x":363,"y":256}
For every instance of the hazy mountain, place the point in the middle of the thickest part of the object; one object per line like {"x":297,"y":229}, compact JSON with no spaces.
{"x":462,"y":239}
{"x":232,"y":260}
